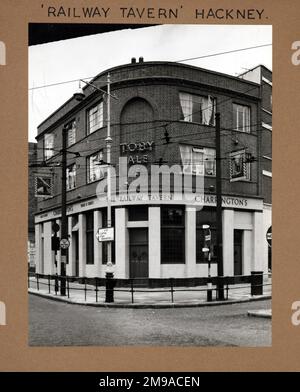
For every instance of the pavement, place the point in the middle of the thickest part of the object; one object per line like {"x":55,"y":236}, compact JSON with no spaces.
{"x":150,"y":298}
{"x":263,"y":313}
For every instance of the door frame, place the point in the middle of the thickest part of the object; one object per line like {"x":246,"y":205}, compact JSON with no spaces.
{"x":145,"y":243}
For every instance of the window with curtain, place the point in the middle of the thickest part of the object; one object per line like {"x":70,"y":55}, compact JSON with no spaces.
{"x":95,"y":117}
{"x":96,"y":171}
{"x":199,"y":109}
{"x":198,"y":160}
{"x":71,"y":135}
{"x":71,"y":177}
{"x":48,"y":145}
{"x":241,"y":118}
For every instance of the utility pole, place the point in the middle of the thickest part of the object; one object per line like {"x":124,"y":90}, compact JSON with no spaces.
{"x":64,"y":222}
{"x":219,"y":225}
{"x":108,"y":161}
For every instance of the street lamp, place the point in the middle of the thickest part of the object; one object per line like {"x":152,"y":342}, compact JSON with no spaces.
{"x":79,"y":96}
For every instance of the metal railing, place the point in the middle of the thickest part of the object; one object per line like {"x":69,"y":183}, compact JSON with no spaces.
{"x":136,"y":288}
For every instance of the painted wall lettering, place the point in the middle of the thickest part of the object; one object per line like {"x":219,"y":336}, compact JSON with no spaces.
{"x":296,"y":55}
{"x":296,"y":313}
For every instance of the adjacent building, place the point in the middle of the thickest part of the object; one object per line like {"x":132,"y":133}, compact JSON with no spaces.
{"x":162,"y":115}
{"x":32,"y":204}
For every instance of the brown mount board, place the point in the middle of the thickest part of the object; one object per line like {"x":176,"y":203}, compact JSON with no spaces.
{"x":15,"y":354}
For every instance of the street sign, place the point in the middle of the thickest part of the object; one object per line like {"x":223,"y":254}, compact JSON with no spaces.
{"x":105,"y":234}
{"x":64,"y":243}
{"x":207,"y":237}
{"x":269,"y":236}
{"x":205,"y":249}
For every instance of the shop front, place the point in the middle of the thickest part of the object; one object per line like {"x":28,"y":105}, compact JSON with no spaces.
{"x":163,"y":239}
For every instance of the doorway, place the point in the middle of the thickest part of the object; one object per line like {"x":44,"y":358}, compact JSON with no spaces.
{"x":138,"y":253}
{"x":238,"y":252}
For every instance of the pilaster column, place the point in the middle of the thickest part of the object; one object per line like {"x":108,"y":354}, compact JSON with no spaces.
{"x":190,"y":241}
{"x":154,"y":242}
{"x":228,"y":238}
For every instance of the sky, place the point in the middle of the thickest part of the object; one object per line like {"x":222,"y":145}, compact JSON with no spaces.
{"x":85,"y":57}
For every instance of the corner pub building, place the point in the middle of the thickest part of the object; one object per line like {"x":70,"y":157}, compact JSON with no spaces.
{"x":164,"y":113}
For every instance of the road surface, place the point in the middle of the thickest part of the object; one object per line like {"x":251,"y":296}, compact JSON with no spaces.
{"x":55,"y":323}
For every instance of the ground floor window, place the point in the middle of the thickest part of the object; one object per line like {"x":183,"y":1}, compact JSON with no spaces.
{"x":90,"y":237}
{"x":104,"y":244}
{"x":172,"y":235}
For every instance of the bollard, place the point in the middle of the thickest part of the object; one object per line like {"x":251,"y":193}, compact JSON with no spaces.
{"x":209,"y":291}
{"x":131,"y":289}
{"x":256,"y":283}
{"x":56,"y":288}
{"x":109,"y":285}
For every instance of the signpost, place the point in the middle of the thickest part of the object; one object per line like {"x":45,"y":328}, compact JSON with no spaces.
{"x":105,"y":234}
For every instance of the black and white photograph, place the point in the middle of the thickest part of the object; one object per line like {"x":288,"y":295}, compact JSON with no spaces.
{"x":150,"y":185}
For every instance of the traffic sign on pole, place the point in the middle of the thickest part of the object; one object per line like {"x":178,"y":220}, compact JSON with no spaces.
{"x":64,"y":243}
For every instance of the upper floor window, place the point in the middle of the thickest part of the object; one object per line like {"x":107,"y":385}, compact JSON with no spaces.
{"x":239,"y":166}
{"x":95,"y":170}
{"x":198,"y":109}
{"x":71,"y":177}
{"x":198,"y":160}
{"x":241,"y":118}
{"x":71,"y":138}
{"x":48,"y":145}
{"x":95,"y":117}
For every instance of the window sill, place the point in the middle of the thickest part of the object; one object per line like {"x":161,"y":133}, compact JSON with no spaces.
{"x":197,"y":123}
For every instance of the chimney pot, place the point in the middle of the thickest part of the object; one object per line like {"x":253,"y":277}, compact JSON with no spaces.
{"x":133,"y":60}
{"x":141,"y":59}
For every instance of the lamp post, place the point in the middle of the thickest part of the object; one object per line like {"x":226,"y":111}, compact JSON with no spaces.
{"x":64,"y":225}
{"x":219,"y":226}
{"x":108,"y":159}
{"x":79,"y":96}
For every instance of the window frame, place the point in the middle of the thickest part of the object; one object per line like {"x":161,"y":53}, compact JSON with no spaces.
{"x":88,"y":118}
{"x":70,"y":127}
{"x":169,"y":227}
{"x":73,"y":165}
{"x":88,"y":158}
{"x":246,"y":128}
{"x":89,"y":233}
{"x":190,"y":117}
{"x":188,"y":168}
{"x":48,"y":151}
